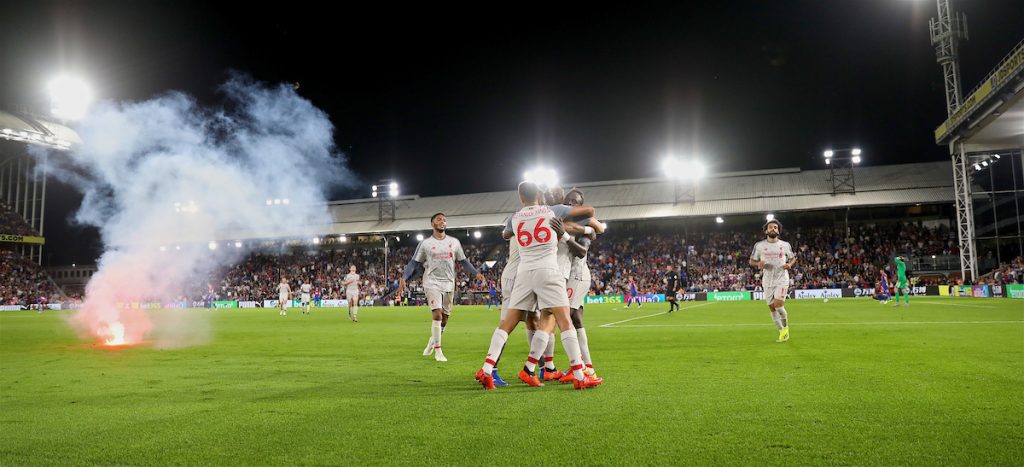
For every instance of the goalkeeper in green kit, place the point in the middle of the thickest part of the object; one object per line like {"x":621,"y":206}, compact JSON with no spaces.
{"x":901,"y":281}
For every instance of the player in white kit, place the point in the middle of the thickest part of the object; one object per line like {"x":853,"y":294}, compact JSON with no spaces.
{"x":284,"y":293}
{"x":351,"y":283}
{"x":438,"y":254}
{"x":578,"y":285}
{"x":538,"y":285}
{"x":775,"y":258}
{"x":305,"y":289}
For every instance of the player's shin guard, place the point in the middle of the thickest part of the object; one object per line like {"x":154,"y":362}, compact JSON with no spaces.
{"x":777,"y":319}
{"x":572,"y":349}
{"x":783,"y":316}
{"x":494,"y":351}
{"x":537,"y":346}
{"x":529,"y":337}
{"x":549,"y":353}
{"x":581,"y":334}
{"x":435,"y":334}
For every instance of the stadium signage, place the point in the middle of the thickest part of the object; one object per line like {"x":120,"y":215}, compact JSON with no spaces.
{"x":225,"y":304}
{"x":593,"y":299}
{"x":11,"y":238}
{"x":651,"y":298}
{"x":248,"y":304}
{"x":818,"y":293}
{"x":1009,"y":68}
{"x":858,"y":292}
{"x":333,"y":303}
{"x":691,"y":297}
{"x":1015,"y":290}
{"x":728,"y":296}
{"x":10,"y":307}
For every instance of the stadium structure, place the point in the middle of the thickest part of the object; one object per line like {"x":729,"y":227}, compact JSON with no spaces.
{"x":981,"y":129}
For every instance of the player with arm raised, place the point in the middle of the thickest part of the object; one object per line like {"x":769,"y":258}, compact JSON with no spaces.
{"x":775,"y":258}
{"x":901,"y":281}
{"x":438,"y":254}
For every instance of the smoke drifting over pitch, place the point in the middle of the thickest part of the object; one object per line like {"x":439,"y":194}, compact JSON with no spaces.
{"x":165,"y":177}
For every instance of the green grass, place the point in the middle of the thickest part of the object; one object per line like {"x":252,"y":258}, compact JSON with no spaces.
{"x":858,"y":384}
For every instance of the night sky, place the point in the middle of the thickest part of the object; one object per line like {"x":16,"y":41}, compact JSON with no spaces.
{"x":464,"y":100}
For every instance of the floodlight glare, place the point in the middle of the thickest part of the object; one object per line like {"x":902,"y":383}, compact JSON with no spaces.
{"x":476,"y":234}
{"x":996,"y":156}
{"x":769,"y":217}
{"x":419,"y":237}
{"x":238,"y":244}
{"x":683,"y":169}
{"x":394,"y":190}
{"x":343,"y":239}
{"x":542,"y":176}
{"x":213,"y":245}
{"x":856,"y":159}
{"x":69,"y":97}
{"x":374,"y":194}
{"x":856,"y":151}
{"x":394,"y":186}
{"x":977,"y":167}
{"x":829,"y":153}
{"x":984,"y":163}
{"x":719,"y":220}
{"x":828,"y":161}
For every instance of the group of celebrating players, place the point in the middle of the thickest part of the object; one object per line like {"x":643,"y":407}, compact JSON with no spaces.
{"x":544,"y":283}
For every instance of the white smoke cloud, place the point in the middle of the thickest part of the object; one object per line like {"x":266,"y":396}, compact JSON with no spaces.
{"x":170,"y":173}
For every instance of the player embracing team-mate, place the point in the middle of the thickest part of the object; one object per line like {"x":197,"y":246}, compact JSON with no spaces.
{"x":540,"y":285}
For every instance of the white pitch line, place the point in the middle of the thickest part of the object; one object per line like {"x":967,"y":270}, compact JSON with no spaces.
{"x":866,"y":323}
{"x":955,"y":304}
{"x":655,"y":314}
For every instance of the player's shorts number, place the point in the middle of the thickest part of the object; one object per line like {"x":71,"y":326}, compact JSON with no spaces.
{"x":540,"y":233}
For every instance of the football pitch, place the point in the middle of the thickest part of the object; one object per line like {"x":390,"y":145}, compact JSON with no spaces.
{"x":859,"y":383}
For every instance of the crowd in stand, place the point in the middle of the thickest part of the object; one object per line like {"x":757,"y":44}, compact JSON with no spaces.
{"x":258,"y":276}
{"x":12,"y":223}
{"x":708,"y":261}
{"x":24,"y":282}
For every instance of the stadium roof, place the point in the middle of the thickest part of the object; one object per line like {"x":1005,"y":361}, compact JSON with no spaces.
{"x":719,"y":194}
{"x":991,"y":116}
{"x":29,"y":129}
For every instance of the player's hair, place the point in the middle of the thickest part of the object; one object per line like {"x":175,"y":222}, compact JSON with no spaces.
{"x":528,"y":191}
{"x":773,"y":221}
{"x":577,"y":191}
{"x":435,"y":217}
{"x":555,"y":191}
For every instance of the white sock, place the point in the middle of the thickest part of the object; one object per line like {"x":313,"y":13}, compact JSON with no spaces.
{"x":494,"y":351}
{"x":783,"y":315}
{"x":355,"y":312}
{"x":537,"y":346}
{"x":549,"y":353}
{"x":777,"y":319}
{"x":584,"y":346}
{"x":435,"y":333}
{"x":529,"y":337}
{"x":572,"y":349}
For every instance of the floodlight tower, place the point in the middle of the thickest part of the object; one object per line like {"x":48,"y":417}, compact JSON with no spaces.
{"x":684,"y":175}
{"x":840,"y":164}
{"x":946,"y":32}
{"x":386,"y":191}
